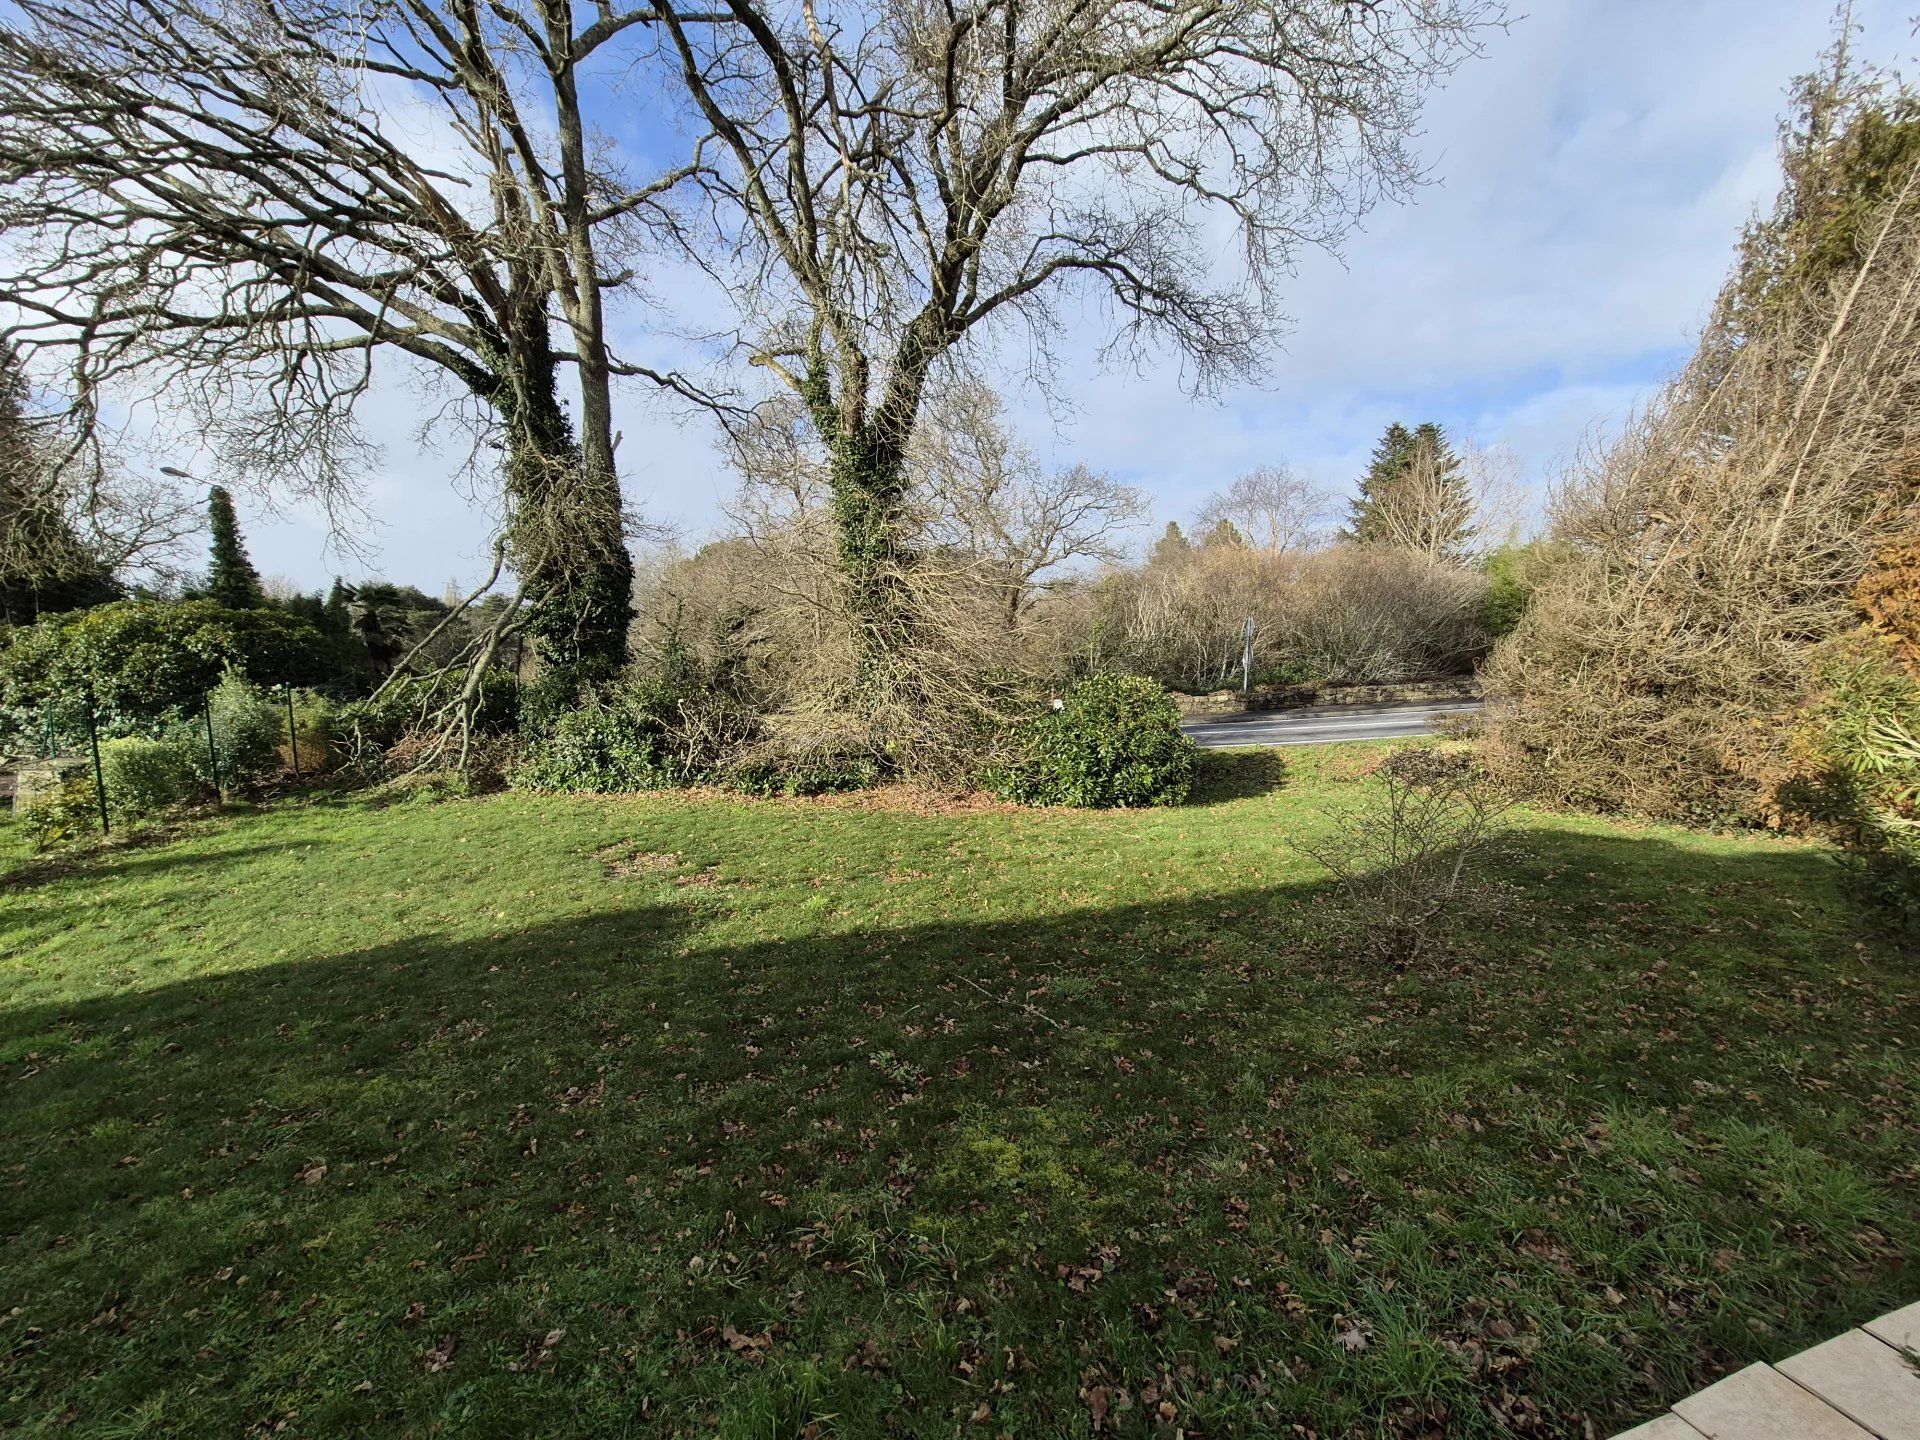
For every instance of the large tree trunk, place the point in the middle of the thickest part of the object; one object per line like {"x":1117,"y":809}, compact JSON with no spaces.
{"x":869,"y":496}
{"x":567,"y":533}
{"x":867,"y":471}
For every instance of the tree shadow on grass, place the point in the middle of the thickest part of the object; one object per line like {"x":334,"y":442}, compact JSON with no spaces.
{"x":140,"y":855}
{"x":1241,"y":774}
{"x":607,"y":1174}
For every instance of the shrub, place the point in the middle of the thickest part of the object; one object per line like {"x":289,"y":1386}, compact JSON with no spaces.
{"x":604,"y":746}
{"x":792,"y":773}
{"x":147,"y":775}
{"x":1727,"y":534}
{"x":145,"y":660}
{"x":1411,"y":861}
{"x":1860,"y":743}
{"x":249,"y":732}
{"x":1888,"y":596}
{"x":1359,"y":613}
{"x":1114,"y":740}
{"x":63,"y":815}
{"x":314,"y":727}
{"x":1514,"y":573}
{"x":540,"y":705}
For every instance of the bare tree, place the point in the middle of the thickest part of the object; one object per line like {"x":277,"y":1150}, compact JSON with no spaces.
{"x":70,"y":522}
{"x":1024,"y":528}
{"x":1273,"y":508}
{"x":893,"y":179}
{"x":219,"y":202}
{"x":1502,"y":507}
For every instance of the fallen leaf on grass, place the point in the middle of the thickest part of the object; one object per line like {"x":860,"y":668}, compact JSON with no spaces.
{"x":1353,"y":1335}
{"x":753,"y":1347}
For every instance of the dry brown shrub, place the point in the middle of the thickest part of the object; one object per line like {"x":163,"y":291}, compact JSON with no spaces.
{"x":1720,"y":542}
{"x":769,"y":608}
{"x":1346,"y":613}
{"x":1888,"y":596}
{"x":1414,"y":861}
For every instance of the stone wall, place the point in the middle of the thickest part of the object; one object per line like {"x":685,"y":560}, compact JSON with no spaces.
{"x":33,"y":779}
{"x":1295,"y":697}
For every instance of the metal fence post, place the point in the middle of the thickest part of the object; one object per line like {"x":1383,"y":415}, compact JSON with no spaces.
{"x":213,"y":751}
{"x":99,"y":778}
{"x":293,"y":738}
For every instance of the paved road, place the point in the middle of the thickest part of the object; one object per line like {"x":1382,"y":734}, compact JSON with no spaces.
{"x":1323,"y":725}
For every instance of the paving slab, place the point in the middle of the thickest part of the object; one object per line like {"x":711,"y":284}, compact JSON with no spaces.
{"x":1667,"y":1427}
{"x":1865,"y":1379}
{"x":1759,"y":1403}
{"x":1901,"y":1329}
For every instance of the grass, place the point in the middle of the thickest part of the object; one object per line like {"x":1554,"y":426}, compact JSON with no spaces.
{"x":690,"y":1115}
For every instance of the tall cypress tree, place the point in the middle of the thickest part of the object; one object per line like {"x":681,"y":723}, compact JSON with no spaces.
{"x":1172,"y":547}
{"x":335,"y":617}
{"x":1223,"y":536}
{"x":231,"y":578}
{"x":1366,"y":520}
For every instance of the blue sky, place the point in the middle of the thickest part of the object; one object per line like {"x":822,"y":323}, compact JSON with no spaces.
{"x":1591,"y":175}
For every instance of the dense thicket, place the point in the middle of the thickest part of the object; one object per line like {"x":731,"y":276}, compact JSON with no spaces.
{"x":1718,"y":546}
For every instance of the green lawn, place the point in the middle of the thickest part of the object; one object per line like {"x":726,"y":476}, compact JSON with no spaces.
{"x":688,"y":1115}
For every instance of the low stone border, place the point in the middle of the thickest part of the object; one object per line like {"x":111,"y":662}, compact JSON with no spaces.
{"x":1859,"y":1386}
{"x":1300,"y":697}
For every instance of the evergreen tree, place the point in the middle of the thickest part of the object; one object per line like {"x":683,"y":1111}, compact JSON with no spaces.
{"x":1223,"y":534}
{"x":1416,"y":495}
{"x":1172,"y":547}
{"x":1441,"y":499}
{"x":1365,"y":517}
{"x":335,"y":617}
{"x":231,"y":578}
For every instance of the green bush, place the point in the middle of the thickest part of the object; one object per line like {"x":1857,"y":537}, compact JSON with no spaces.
{"x":1860,"y":741}
{"x":249,"y":728}
{"x":540,"y":704}
{"x":62,"y":816}
{"x":147,"y":775}
{"x":146,"y":661}
{"x":809,"y":774}
{"x":1514,"y":573}
{"x":604,"y":746}
{"x":1114,"y":741}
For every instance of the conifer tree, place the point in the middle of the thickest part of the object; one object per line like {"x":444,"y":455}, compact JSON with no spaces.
{"x":335,"y":617}
{"x":1437,"y":497}
{"x":1223,"y":534}
{"x":1415,"y":494}
{"x":1365,"y":518}
{"x":231,"y":578}
{"x":1172,"y":547}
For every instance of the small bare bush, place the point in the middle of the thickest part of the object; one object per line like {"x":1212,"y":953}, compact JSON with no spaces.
{"x":1413,"y":861}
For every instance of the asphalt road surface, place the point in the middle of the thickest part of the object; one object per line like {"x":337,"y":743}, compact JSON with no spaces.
{"x":1324,"y":725}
